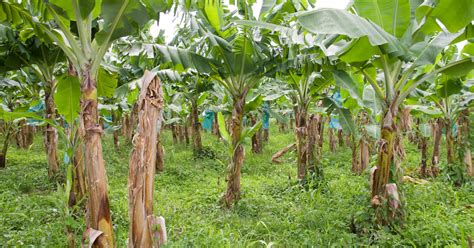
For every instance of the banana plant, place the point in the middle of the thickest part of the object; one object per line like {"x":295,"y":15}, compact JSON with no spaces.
{"x":56,"y":21}
{"x":130,"y":57}
{"x":195,"y":89}
{"x":423,"y":113}
{"x":230,"y":55}
{"x":301,"y":65}
{"x":16,"y":99}
{"x":176,"y":113}
{"x":451,"y":99}
{"x":22,"y":48}
{"x":451,"y":96}
{"x":400,"y":42}
{"x":307,"y":82}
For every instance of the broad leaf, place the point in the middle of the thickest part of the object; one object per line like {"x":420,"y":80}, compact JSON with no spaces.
{"x":425,"y":130}
{"x":202,"y":97}
{"x":222,"y":127}
{"x":373,"y":131}
{"x":183,"y":59}
{"x":344,"y":80}
{"x":372,"y":101}
{"x":249,"y":132}
{"x":253,"y":104}
{"x":67,"y":97}
{"x":121,"y":18}
{"x":335,"y":21}
{"x":454,"y":14}
{"x":106,"y":83}
{"x":345,"y":118}
{"x":392,"y":16}
{"x":358,"y":50}
{"x":425,"y":52}
{"x":459,"y":69}
{"x":428,"y":110}
{"x":449,"y":87}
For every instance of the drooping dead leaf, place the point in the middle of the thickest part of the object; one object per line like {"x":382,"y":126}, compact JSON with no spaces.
{"x":414,"y":180}
{"x":391,"y":193}
{"x":92,"y":235}
{"x":282,"y":152}
{"x":157,"y":227}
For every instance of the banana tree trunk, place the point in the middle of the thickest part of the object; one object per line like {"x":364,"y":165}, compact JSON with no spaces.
{"x":322,"y":123}
{"x":196,"y":132}
{"x":364,"y":154}
{"x":3,"y":153}
{"x":313,"y":153}
{"x":24,"y":137}
{"x":385,"y":158}
{"x":348,"y":139}
{"x":215,"y":128}
{"x":332,"y":140}
{"x":132,"y":122}
{"x":79,"y":187}
{"x":233,"y":177}
{"x":340,"y":138}
{"x":98,"y":209}
{"x":174,"y":133}
{"x":449,"y":141}
{"x":51,"y":134}
{"x":125,"y":125}
{"x":19,"y":135}
{"x":383,"y":182}
{"x":405,"y":120}
{"x":142,"y":165}
{"x":399,"y":149}
{"x":266,"y":134}
{"x":356,"y":164}
{"x":180,"y":132}
{"x":301,"y":136}
{"x":160,"y":164}
{"x":186,"y":131}
{"x":116,"y":132}
{"x":129,"y":130}
{"x":424,"y":156}
{"x":437,"y":133}
{"x":468,"y":162}
{"x":282,"y":127}
{"x":79,"y":184}
{"x":465,"y":136}
{"x":256,"y":138}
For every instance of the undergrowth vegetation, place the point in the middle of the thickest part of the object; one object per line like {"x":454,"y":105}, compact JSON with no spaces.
{"x":274,"y":210}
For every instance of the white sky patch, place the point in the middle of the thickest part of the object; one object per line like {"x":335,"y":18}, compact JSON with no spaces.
{"x":168,"y":22}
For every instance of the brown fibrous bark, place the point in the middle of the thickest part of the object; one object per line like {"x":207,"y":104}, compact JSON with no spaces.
{"x":142,"y":164}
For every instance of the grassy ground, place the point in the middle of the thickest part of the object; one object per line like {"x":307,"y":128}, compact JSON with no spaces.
{"x":274,"y":210}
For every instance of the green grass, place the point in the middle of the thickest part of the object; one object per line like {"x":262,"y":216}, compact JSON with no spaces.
{"x":273,"y":210}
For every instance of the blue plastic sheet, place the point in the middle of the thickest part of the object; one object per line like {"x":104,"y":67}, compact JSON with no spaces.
{"x":35,"y":109}
{"x":208,"y":120}
{"x":266,"y":116}
{"x":334,"y":122}
{"x":108,"y":119}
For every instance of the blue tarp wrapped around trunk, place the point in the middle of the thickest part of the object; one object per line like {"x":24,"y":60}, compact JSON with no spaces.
{"x":266,"y":116}
{"x":208,"y":120}
{"x":334,"y":121}
{"x":35,"y":109}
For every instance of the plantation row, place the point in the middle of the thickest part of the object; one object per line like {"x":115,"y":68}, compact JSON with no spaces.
{"x":369,"y":76}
